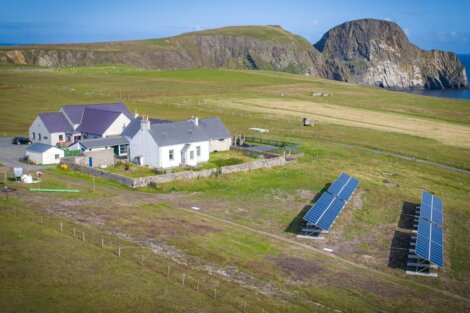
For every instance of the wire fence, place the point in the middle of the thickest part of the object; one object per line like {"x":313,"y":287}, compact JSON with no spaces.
{"x":223,"y":293}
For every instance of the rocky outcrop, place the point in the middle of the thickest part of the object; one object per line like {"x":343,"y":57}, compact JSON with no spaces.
{"x":379,"y":53}
{"x":253,"y":47}
{"x":366,"y":51}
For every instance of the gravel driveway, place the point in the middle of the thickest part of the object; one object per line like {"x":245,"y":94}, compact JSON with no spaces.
{"x":10,"y":155}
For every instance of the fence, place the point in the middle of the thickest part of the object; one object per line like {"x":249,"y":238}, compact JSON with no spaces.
{"x":283,"y":146}
{"x":120,"y":246}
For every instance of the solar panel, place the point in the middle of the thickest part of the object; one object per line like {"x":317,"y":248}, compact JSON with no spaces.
{"x":431,"y":208}
{"x":324,"y":212}
{"x":344,"y":186}
{"x":429,"y":242}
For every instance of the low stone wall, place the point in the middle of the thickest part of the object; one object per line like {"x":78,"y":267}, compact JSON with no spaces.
{"x":165,"y":178}
{"x":120,"y":179}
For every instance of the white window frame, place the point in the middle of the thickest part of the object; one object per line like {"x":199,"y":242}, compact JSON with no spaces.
{"x":198,"y":151}
{"x":171,"y":155}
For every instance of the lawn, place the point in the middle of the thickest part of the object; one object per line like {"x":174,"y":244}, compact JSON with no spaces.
{"x":226,"y":158}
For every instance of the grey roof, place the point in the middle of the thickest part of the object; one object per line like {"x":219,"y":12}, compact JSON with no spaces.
{"x":168,"y":134}
{"x":134,"y":126}
{"x":75,"y":112}
{"x":97,"y":121}
{"x":103,"y":142}
{"x":56,"y":122}
{"x":39,"y":147}
{"x":214,"y":128}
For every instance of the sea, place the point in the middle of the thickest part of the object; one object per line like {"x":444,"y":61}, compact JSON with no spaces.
{"x":450,"y":93}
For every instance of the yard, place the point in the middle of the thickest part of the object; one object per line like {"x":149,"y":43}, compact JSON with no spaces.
{"x":216,"y":160}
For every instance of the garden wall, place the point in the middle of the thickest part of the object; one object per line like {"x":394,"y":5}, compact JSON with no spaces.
{"x":165,"y":178}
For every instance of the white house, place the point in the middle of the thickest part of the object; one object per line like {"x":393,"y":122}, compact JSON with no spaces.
{"x":40,"y":153}
{"x":50,"y":128}
{"x":164,"y":144}
{"x":76,"y":122}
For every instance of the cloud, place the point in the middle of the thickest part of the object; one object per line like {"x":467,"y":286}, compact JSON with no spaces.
{"x":315,"y":22}
{"x":452,"y":36}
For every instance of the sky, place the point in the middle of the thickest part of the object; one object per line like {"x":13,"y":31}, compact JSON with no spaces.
{"x":430,"y":24}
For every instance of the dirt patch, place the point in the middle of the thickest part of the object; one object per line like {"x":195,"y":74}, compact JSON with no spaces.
{"x":305,"y":194}
{"x":299,"y":269}
{"x":363,"y":283}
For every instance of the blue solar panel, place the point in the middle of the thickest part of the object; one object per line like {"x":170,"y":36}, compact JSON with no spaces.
{"x":431,"y":208}
{"x":325,"y":211}
{"x":344,"y":186}
{"x":429,"y":243}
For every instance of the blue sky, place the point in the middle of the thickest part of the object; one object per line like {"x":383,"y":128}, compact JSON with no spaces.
{"x":430,"y":24}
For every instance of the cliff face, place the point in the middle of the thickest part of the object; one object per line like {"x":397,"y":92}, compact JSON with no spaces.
{"x":365,"y":51}
{"x":378,"y":53}
{"x":253,"y":47}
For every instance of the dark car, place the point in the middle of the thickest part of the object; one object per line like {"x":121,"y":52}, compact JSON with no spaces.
{"x":21,"y":141}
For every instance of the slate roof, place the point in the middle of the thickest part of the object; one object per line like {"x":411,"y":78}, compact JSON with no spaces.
{"x":177,"y":133}
{"x":56,"y":122}
{"x":214,"y":128}
{"x":75,"y":112}
{"x":39,"y":147}
{"x":134,"y":126}
{"x":97,"y":121}
{"x":104,"y":142}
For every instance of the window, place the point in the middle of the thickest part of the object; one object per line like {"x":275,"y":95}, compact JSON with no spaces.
{"x":39,"y":136}
{"x":34,"y":135}
{"x":61,"y":137}
{"x":221,"y":139}
{"x":191,"y":155}
{"x":123,"y":149}
{"x":45,"y":137}
{"x":198,"y":151}
{"x":171,"y":154}
{"x":57,"y":156}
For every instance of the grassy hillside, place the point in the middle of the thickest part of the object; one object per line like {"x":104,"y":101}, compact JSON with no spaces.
{"x":243,"y":238}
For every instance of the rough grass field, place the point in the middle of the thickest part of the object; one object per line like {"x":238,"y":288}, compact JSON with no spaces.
{"x":243,"y":236}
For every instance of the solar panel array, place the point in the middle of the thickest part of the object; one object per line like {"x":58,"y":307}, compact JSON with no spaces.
{"x":324,"y":212}
{"x":429,"y":242}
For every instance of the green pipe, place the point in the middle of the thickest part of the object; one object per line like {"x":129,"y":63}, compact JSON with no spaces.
{"x":53,"y":190}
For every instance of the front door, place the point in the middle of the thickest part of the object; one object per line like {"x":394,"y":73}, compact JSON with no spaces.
{"x":90,"y":161}
{"x":183,"y":157}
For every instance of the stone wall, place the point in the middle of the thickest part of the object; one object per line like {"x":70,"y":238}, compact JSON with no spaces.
{"x":165,"y":178}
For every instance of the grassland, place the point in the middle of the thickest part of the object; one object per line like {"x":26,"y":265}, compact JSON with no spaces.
{"x":244,"y":233}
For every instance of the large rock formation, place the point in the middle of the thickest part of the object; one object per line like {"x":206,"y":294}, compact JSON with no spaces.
{"x":366,"y":51}
{"x":378,"y":53}
{"x":245,"y":47}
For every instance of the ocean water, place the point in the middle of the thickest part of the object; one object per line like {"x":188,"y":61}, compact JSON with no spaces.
{"x":450,"y":93}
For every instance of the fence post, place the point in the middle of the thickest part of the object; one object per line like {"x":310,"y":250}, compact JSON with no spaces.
{"x":83,"y":236}
{"x":184,"y":276}
{"x":61,"y":227}
{"x":74,"y":232}
{"x":119,"y":251}
{"x":197,"y":286}
{"x":168,"y":272}
{"x":102,"y":242}
{"x":215,"y":293}
{"x":142,"y":261}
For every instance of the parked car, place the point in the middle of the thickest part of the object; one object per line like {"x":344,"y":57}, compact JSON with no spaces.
{"x":21,"y":141}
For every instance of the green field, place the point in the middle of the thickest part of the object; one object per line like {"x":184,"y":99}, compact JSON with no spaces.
{"x":243,"y":237}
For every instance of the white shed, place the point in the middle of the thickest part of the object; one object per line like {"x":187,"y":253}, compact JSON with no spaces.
{"x":40,"y":153}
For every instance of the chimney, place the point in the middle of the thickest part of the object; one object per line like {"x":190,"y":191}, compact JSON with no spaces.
{"x":136,"y":115}
{"x":195,"y":120}
{"x":145,"y":124}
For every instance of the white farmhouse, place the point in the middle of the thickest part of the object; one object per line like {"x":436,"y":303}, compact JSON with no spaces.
{"x":40,"y":153}
{"x":76,"y":122}
{"x":165,"y":144}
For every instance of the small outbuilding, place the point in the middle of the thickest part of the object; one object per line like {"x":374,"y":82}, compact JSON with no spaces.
{"x":40,"y":153}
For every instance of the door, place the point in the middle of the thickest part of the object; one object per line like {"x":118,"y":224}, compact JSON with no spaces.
{"x":90,"y":161}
